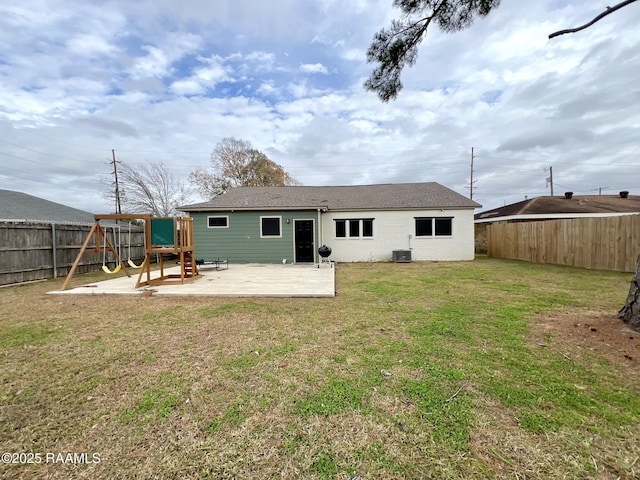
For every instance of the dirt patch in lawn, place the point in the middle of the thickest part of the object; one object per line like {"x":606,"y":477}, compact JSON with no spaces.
{"x":600,"y":334}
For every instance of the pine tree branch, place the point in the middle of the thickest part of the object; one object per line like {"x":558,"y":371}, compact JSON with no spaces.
{"x":596,"y":19}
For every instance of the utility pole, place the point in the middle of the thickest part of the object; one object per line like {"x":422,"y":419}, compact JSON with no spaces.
{"x":472,"y":181}
{"x":549,"y":179}
{"x":115,"y":173}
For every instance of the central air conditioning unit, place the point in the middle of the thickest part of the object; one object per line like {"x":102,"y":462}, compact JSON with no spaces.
{"x":401,"y":256}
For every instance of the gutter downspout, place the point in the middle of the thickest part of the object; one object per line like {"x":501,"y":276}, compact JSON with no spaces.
{"x":320,"y":239}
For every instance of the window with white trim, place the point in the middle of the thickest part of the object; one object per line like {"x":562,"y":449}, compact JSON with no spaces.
{"x":218,"y":222}
{"x":270,"y":227}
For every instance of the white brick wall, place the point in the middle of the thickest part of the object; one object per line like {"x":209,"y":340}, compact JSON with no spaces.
{"x":391,"y":231}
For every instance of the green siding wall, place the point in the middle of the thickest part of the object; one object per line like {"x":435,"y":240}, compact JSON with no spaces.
{"x":241,"y":242}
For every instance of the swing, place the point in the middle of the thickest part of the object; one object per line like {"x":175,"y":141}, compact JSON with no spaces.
{"x":105,"y":269}
{"x":129,"y":261}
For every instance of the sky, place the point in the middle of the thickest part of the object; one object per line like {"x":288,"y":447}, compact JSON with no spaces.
{"x":162,"y":82}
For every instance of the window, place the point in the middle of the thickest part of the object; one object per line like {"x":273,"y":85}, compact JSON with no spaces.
{"x":424,"y":227}
{"x":443,"y":227}
{"x":355,"y":227}
{"x":218,"y":222}
{"x":434,"y":226}
{"x":270,"y":227}
{"x":367,"y":227}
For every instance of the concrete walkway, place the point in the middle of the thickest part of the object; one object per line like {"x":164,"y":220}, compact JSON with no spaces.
{"x":242,"y":280}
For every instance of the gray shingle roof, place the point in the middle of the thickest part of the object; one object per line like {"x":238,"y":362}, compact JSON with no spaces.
{"x":21,"y":206}
{"x":580,"y":204}
{"x":353,"y":197}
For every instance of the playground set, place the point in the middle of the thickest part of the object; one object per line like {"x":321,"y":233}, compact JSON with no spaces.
{"x":163,"y":235}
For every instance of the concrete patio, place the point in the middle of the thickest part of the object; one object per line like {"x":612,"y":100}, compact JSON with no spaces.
{"x":242,"y":280}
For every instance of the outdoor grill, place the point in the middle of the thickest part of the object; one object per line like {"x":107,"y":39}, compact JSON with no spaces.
{"x":324,"y":251}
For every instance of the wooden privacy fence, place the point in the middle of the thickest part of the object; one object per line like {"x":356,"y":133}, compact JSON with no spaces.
{"x":39,"y":250}
{"x":603,"y":243}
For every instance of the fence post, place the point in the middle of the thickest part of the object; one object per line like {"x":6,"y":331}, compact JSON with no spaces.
{"x":54,"y":250}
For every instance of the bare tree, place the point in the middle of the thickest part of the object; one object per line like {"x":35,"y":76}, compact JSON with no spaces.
{"x":397,"y":47}
{"x":235,"y":163}
{"x":150,"y":188}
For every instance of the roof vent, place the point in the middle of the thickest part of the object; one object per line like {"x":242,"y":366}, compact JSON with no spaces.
{"x":624,"y":194}
{"x":568,"y":195}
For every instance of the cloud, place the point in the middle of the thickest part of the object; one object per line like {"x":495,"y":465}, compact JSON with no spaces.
{"x":160,"y":59}
{"x":118,"y":128}
{"x":161,"y":81}
{"x":314,"y":68}
{"x":203,"y":78}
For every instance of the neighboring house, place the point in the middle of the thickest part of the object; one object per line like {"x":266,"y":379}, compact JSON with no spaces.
{"x":18,"y":206}
{"x":567,"y":206}
{"x":359,"y":223}
{"x":555,"y":208}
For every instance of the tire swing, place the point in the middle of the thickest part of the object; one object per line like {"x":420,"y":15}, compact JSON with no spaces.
{"x":129,"y":261}
{"x":105,"y":269}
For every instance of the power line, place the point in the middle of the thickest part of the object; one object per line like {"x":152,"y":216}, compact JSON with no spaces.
{"x":42,"y":153}
{"x":37,"y":163}
{"x":299,"y":154}
{"x":607,"y":164}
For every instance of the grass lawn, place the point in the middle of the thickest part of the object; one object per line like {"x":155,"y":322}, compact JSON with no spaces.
{"x":484,"y":369}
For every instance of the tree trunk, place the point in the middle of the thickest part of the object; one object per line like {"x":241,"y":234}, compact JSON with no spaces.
{"x":630,"y":313}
